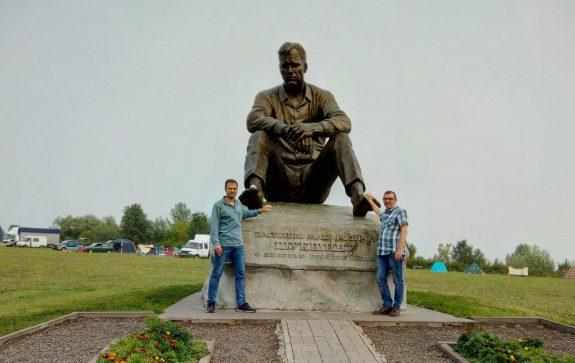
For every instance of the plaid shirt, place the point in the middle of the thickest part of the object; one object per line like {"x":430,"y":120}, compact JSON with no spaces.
{"x":391,"y":222}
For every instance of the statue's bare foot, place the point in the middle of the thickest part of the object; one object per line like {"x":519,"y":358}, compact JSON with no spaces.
{"x":361,"y":206}
{"x":252,"y":198}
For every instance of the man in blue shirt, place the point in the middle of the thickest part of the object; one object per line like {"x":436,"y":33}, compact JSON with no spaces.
{"x":390,"y":251}
{"x":226,"y":235}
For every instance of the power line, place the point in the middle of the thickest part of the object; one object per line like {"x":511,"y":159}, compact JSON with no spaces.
{"x":31,"y":178}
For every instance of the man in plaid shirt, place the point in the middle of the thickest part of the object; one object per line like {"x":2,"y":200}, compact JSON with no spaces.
{"x":391,"y":251}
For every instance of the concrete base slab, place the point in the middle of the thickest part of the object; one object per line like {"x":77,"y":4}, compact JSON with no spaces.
{"x":191,"y":308}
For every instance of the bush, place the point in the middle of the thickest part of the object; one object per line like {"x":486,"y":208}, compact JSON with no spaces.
{"x":159,"y":342}
{"x":485,"y":347}
{"x":538,"y":260}
{"x":456,"y":266}
{"x":563,"y":267}
{"x":424,"y":263}
{"x":496,"y":267}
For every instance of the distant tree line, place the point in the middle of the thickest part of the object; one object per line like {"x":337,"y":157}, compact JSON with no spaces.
{"x":461,"y":255}
{"x":182,"y":225}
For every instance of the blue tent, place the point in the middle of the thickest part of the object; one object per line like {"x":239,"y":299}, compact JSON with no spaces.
{"x":438,"y":266}
{"x":156,"y":251}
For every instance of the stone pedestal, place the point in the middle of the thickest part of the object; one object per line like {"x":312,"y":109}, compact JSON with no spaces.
{"x":308,"y":257}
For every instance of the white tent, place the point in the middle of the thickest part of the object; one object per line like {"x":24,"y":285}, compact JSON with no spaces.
{"x":145,"y":249}
{"x":519,"y":271}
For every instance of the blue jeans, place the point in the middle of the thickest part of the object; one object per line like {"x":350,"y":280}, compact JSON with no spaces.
{"x":236,"y":255}
{"x":385,"y":264}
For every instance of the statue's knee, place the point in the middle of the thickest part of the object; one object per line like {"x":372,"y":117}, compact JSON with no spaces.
{"x":260,"y":138}
{"x":341,"y":140}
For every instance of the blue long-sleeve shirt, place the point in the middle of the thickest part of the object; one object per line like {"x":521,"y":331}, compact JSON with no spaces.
{"x":226,"y":223}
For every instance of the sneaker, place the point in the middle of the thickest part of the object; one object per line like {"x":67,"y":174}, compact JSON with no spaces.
{"x":394,"y":312}
{"x":382,"y":311}
{"x":245,"y":308}
{"x":211,"y":308}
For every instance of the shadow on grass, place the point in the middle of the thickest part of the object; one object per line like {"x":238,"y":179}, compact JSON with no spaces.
{"x":156,"y":299}
{"x":457,"y":305}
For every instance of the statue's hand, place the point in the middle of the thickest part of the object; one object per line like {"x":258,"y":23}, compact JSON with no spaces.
{"x":305,"y":145}
{"x":286,"y":132}
{"x":304,"y":130}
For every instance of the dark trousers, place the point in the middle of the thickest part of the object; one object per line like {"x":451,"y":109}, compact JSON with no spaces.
{"x":300,"y":181}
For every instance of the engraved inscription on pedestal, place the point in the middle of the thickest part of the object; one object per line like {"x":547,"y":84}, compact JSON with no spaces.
{"x":321,"y":249}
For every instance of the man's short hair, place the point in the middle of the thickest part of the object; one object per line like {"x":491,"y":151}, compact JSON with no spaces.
{"x":230,"y":181}
{"x":288,"y":46}
{"x":391,"y":192}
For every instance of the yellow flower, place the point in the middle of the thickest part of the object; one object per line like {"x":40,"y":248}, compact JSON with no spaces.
{"x":167,"y":333}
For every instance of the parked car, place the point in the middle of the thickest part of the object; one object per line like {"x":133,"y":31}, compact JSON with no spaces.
{"x":57,"y":245}
{"x":71,"y":245}
{"x":99,"y":247}
{"x":39,"y":241}
{"x":195,"y":249}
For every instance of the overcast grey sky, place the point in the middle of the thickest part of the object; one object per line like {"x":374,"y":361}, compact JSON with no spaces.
{"x":465,"y":108}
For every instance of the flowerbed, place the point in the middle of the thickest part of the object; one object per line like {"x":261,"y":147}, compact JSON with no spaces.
{"x":485,"y":347}
{"x":160,"y":342}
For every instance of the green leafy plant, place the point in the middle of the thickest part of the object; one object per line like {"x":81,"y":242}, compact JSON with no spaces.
{"x":159,"y":342}
{"x":485,"y":347}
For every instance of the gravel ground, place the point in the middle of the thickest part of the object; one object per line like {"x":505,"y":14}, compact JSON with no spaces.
{"x":81,"y":339}
{"x":75,"y":341}
{"x":410,"y":344}
{"x":247,"y":342}
{"x":419,"y":344}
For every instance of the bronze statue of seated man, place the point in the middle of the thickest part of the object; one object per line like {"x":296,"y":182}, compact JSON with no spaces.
{"x":288,"y":159}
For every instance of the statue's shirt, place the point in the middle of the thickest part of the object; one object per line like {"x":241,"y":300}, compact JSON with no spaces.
{"x":272,"y":109}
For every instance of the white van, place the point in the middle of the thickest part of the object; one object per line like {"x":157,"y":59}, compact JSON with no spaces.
{"x":40,"y":241}
{"x":196,"y":248}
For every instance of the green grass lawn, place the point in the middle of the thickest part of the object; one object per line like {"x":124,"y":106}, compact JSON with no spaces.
{"x":467,"y":295}
{"x":37,"y":285}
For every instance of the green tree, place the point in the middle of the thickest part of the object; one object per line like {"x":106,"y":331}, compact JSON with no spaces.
{"x":180,"y":213}
{"x":134,"y":225}
{"x":106,"y":230}
{"x":76,"y":227}
{"x":179,"y":233}
{"x":443,"y":252}
{"x":1,"y":234}
{"x":160,"y":230}
{"x":412,"y":250}
{"x":479,"y":257}
{"x":537,"y":259}
{"x":199,"y":223}
{"x":464,"y":253}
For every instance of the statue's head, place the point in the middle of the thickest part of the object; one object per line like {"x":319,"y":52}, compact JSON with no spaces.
{"x":293,"y":64}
